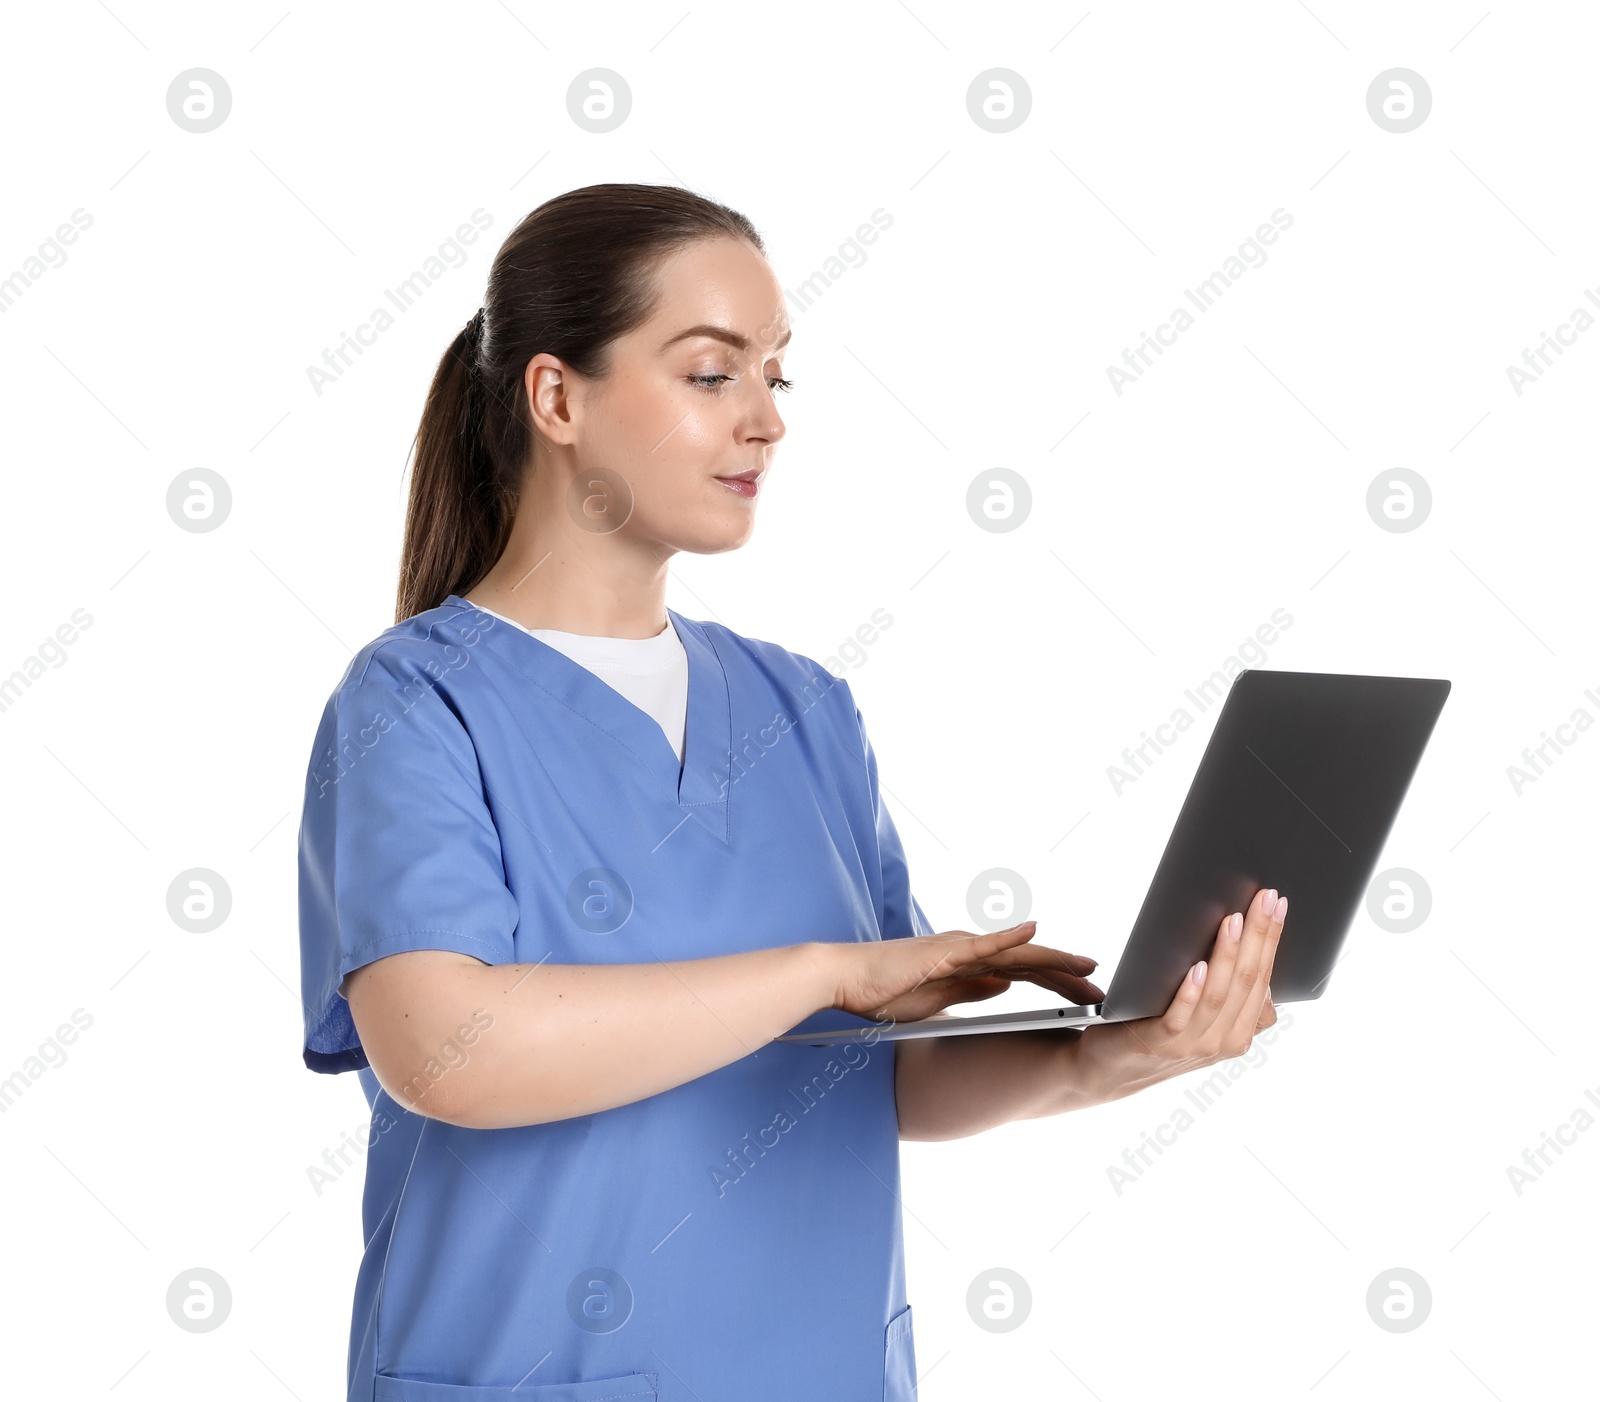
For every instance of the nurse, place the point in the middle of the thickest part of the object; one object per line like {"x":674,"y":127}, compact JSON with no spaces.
{"x":570,"y":861}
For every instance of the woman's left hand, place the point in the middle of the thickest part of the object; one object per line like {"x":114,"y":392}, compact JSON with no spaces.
{"x":1213,"y":1017}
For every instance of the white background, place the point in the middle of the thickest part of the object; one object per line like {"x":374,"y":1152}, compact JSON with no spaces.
{"x":1167,"y":524}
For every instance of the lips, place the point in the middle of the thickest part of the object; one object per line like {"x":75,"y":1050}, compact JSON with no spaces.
{"x":744,"y":483}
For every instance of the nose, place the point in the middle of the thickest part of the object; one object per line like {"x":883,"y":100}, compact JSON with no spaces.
{"x":767,"y":423}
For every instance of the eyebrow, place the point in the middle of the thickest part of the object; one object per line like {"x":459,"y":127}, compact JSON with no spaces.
{"x":721,"y":333}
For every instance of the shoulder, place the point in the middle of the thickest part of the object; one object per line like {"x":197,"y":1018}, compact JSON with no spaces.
{"x":404,"y":688}
{"x":793,"y":669}
{"x":432,"y":644}
{"x":417,"y":670}
{"x":806,"y":682}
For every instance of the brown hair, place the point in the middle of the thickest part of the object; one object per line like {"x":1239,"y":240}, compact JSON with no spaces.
{"x":574,"y":275}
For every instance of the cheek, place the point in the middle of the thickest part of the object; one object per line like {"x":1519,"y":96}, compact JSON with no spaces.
{"x":691,"y":424}
{"x":682,"y":438}
{"x":668,"y":470}
{"x":664,"y":420}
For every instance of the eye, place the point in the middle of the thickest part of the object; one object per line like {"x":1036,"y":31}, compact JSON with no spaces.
{"x":713,"y":382}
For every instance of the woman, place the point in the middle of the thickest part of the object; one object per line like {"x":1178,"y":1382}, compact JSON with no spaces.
{"x":570,"y":861}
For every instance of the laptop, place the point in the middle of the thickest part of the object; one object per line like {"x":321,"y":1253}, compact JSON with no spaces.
{"x":1299,"y":785}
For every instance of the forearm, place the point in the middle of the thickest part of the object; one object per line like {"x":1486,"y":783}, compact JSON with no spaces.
{"x":563,"y":1040}
{"x":952,"y":1087}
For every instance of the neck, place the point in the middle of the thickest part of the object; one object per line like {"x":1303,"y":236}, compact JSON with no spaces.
{"x":557,"y":574}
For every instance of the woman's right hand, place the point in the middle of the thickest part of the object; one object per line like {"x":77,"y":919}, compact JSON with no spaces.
{"x":912,"y":978}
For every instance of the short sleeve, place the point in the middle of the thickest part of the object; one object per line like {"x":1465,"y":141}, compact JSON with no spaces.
{"x":398,"y":850}
{"x":902,"y":916}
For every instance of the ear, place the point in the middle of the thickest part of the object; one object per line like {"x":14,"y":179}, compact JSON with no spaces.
{"x":553,"y":405}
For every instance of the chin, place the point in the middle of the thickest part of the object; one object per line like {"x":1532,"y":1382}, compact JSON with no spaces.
{"x":714,"y":537}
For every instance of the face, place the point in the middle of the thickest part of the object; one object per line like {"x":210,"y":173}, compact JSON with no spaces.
{"x":688,"y":403}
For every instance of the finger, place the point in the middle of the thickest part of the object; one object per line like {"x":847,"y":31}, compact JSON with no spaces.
{"x":972,"y":990}
{"x":1022,"y":930}
{"x":1012,"y":935}
{"x":1218,"y":977}
{"x":987,"y":942}
{"x":1274,"y":942}
{"x":1248,"y":984}
{"x":1079,"y":990}
{"x":1069,"y":985}
{"x":1251,"y":1011}
{"x":1181,"y":1011}
{"x":1043,"y":956}
{"x":958,"y":952}
{"x":1055,"y":969}
{"x":1269,"y":1013}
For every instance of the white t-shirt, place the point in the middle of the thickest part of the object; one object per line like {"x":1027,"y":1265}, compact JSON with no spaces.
{"x":653,"y":673}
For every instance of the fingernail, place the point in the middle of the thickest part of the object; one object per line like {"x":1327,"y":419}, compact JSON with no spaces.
{"x":1235,"y":925}
{"x":1268,"y":899}
{"x":1282,"y":908}
{"x":1200,"y":974}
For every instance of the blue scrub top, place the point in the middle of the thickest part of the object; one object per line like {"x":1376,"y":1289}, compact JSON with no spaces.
{"x":739,"y":1236}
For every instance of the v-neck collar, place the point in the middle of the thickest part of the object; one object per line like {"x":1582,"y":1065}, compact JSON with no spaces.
{"x":700,"y":784}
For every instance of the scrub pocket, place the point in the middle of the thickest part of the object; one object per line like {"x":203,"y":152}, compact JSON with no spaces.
{"x":899,"y":1359}
{"x":628,"y":1387}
